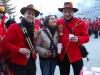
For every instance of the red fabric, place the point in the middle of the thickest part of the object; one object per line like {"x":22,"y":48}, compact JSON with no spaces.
{"x":3,"y":53}
{"x":81,"y":31}
{"x":96,"y":25}
{"x":2,"y":30}
{"x":99,"y":25}
{"x":90,"y":25}
{"x":13,"y":40}
{"x":37,"y":24}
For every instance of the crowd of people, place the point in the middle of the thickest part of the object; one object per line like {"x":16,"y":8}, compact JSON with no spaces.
{"x":58,"y":42}
{"x":94,"y":26}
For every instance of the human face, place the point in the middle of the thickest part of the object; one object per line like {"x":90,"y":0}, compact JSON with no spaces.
{"x":1,"y":15}
{"x":52,"y":21}
{"x":29,"y":16}
{"x":68,"y":13}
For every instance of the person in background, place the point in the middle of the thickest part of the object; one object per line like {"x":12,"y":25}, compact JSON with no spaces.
{"x":99,"y":26}
{"x":4,"y":54}
{"x":46,"y":49}
{"x":2,"y":30}
{"x":7,"y":23}
{"x":90,"y":27}
{"x":73,"y":32}
{"x":96,"y":28}
{"x":2,"y":19}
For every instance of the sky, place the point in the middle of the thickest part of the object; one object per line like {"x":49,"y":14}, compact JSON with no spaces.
{"x":44,"y":6}
{"x":47,"y":6}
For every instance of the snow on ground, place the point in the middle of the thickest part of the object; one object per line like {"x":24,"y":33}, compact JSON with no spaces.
{"x":94,"y":59}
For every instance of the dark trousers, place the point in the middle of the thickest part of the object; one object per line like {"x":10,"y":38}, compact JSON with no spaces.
{"x":99,"y":33}
{"x":4,"y":68}
{"x":96,"y":34}
{"x":0,"y":68}
{"x":29,"y":69}
{"x":90,"y":32}
{"x":64,"y":66}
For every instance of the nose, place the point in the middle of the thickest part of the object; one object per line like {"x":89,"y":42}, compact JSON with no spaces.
{"x":66,"y":14}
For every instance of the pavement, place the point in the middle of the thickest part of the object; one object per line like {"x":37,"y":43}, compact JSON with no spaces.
{"x":93,"y":47}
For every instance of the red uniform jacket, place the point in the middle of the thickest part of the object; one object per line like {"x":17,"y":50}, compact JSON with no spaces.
{"x":2,"y":30}
{"x":96,"y":26}
{"x":99,"y":25}
{"x":90,"y":25}
{"x":13,"y":40}
{"x":71,"y":48}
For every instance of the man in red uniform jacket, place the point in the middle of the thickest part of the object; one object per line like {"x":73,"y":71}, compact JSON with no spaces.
{"x":96,"y":28}
{"x":70,"y":53}
{"x":21,"y":60}
{"x":2,"y":30}
{"x":99,"y":27}
{"x":2,"y":19}
{"x":90,"y":27}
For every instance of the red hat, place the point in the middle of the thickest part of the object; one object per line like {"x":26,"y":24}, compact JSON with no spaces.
{"x":30,"y":7}
{"x":68,"y":5}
